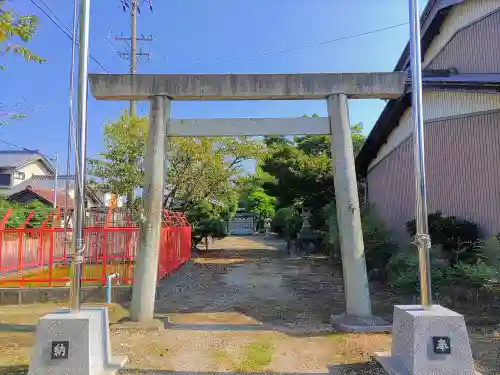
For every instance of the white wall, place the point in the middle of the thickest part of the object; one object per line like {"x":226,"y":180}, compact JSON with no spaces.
{"x":446,"y":104}
{"x":35,"y":168}
{"x":460,"y":16}
{"x":438,"y":104}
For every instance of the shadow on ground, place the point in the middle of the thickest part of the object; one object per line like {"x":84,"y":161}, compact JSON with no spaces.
{"x":364,"y":368}
{"x":367,"y":368}
{"x":17,"y":327}
{"x":277,"y":292}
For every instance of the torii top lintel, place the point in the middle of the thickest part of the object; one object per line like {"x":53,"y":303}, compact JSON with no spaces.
{"x":247,"y":86}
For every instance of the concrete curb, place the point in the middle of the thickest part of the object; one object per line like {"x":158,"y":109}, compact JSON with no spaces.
{"x":154,"y":325}
{"x":21,"y":296}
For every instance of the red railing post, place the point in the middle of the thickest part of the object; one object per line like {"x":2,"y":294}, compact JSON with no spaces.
{"x":105,"y":234}
{"x":21,"y":242}
{"x":3,"y":222}
{"x":42,"y":237}
{"x":51,"y":249}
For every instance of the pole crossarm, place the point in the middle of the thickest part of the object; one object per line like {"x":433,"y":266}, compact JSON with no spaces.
{"x":232,"y":127}
{"x":247,"y":86}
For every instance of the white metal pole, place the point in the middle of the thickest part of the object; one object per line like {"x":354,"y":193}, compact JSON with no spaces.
{"x":80,"y":155}
{"x":422,"y":239}
{"x":56,"y":181}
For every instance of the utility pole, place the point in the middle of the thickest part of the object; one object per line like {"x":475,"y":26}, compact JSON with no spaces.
{"x":134,"y":6}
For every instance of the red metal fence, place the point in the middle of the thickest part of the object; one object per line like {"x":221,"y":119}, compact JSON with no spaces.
{"x":38,"y":257}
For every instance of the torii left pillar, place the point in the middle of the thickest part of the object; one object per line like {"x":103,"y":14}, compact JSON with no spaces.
{"x":146,"y":265}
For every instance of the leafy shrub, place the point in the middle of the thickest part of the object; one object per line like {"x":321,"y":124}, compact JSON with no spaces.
{"x":490,"y":251}
{"x":212,"y":227}
{"x":379,"y":247}
{"x":458,"y":237}
{"x":403,"y":271}
{"x":21,"y":211}
{"x":376,"y":237}
{"x":286,"y":222}
{"x":205,"y":222}
{"x":476,"y":276}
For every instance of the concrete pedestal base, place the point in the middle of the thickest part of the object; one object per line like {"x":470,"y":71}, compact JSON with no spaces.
{"x":349,"y":323}
{"x":74,"y":344}
{"x":428,"y":342}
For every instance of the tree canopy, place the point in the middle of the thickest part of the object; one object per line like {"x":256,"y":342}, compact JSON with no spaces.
{"x":302,"y":169}
{"x":15,"y":31}
{"x":119,"y":168}
{"x":198,"y":168}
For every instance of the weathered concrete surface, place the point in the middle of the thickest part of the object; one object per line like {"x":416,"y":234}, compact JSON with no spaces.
{"x":247,"y":86}
{"x":247,"y":126}
{"x":145,"y":275}
{"x":349,"y":221}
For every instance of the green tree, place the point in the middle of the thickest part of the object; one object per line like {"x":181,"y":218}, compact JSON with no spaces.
{"x":261,"y":204}
{"x":119,"y":169}
{"x":246,"y":184}
{"x":208,"y":167}
{"x":15,"y":31}
{"x":298,"y":177}
{"x":302,"y":168}
{"x":197,"y":168}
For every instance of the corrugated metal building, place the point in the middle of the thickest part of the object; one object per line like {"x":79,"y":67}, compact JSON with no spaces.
{"x":461,"y":61}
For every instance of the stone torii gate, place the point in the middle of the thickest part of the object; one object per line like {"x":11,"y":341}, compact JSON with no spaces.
{"x":335,"y":88}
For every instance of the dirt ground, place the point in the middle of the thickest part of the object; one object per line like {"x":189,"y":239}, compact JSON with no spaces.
{"x":243,"y":306}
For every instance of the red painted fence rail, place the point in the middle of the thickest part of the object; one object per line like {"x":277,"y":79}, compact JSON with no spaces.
{"x":38,"y":257}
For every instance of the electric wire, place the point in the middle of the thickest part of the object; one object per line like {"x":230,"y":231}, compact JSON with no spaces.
{"x":264,"y":54}
{"x":158,"y":33}
{"x":71,"y":123}
{"x":63,"y":29}
{"x":15,"y":146}
{"x":94,"y":27}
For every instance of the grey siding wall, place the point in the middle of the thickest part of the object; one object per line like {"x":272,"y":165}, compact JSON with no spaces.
{"x":474,"y":49}
{"x":462,"y":170}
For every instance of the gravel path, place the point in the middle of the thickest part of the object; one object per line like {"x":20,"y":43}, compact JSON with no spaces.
{"x":245,"y":306}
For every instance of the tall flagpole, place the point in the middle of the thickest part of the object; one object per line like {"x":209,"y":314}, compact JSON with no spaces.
{"x":422,"y":239}
{"x":80,"y":155}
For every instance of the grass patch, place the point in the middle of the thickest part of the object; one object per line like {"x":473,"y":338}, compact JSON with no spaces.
{"x":222,"y":357}
{"x":158,"y":349}
{"x":256,"y":357}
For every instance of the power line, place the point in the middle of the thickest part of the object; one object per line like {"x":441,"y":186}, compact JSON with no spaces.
{"x":63,"y":29}
{"x":263,"y":54}
{"x":158,"y":33}
{"x":94,"y":27}
{"x":16,"y":146}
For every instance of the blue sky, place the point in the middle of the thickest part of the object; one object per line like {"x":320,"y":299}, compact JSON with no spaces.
{"x":201,"y":36}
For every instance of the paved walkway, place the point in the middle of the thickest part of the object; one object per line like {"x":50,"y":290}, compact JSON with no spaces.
{"x":244,"y":306}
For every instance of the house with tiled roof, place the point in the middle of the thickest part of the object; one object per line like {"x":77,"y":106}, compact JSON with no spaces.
{"x":461,"y":109}
{"x":16,"y":167}
{"x":28,"y":175}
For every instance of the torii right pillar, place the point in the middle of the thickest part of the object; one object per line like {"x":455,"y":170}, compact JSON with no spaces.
{"x":358,"y":315}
